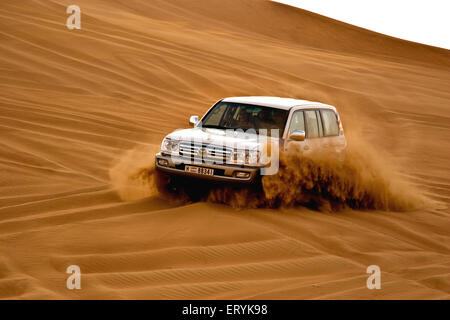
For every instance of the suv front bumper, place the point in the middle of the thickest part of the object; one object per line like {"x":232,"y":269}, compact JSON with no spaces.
{"x":222,"y":172}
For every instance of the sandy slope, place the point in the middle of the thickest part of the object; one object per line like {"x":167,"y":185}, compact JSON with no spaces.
{"x":71,"y":102}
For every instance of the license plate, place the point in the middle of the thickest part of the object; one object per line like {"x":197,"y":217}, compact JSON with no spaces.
{"x":199,"y":170}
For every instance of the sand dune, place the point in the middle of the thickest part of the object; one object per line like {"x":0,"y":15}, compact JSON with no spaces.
{"x":73,"y":102}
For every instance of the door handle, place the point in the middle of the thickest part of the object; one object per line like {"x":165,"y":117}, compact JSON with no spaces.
{"x":306,"y":148}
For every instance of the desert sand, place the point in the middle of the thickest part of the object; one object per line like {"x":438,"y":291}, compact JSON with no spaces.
{"x":74,"y":102}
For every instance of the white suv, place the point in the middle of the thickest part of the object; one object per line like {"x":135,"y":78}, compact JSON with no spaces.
{"x":230,"y":142}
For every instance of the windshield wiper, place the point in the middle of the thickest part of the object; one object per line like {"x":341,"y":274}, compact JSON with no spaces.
{"x":212,"y":126}
{"x":241,"y":128}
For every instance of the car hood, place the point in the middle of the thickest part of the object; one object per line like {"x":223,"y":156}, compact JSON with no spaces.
{"x":232,"y":138}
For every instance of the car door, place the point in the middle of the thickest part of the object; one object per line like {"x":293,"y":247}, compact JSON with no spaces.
{"x":296,"y":122}
{"x":314,"y":130}
{"x":308,"y":121}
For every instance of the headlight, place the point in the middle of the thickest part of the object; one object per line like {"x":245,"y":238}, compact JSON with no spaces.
{"x":250,"y":157}
{"x":170,"y":145}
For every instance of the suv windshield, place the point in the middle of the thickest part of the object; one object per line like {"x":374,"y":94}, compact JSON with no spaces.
{"x":230,"y":115}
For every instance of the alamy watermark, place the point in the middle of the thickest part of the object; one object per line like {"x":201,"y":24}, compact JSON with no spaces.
{"x":74,"y":280}
{"x":74,"y":20}
{"x":234,"y":147}
{"x":374,"y":280}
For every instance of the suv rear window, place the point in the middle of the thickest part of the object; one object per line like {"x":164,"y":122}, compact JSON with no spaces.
{"x":330,"y":124}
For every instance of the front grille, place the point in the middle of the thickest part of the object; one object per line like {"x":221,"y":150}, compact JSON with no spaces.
{"x":205,"y":152}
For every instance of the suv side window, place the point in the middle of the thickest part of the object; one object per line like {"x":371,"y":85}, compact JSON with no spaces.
{"x":312,"y":126}
{"x":330,"y":124}
{"x":297,"y":122}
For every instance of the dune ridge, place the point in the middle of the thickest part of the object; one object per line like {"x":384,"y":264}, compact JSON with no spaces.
{"x":72,"y":103}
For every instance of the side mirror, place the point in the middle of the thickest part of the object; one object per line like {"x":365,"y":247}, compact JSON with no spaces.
{"x":193,"y":120}
{"x":297,"y":135}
